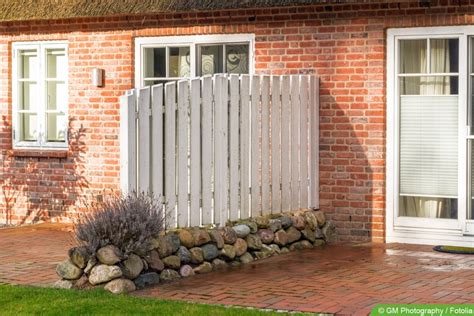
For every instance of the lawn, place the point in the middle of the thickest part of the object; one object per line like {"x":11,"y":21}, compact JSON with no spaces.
{"x":20,"y":300}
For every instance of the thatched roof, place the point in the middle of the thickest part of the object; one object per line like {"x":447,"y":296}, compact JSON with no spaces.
{"x":17,"y":10}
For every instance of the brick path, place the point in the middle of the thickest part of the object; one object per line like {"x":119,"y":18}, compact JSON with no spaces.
{"x":29,"y":254}
{"x":337,"y":279}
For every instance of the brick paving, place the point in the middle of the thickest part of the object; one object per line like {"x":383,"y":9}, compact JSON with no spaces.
{"x":345,"y":280}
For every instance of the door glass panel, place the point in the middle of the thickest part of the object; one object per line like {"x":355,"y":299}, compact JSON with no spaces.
{"x":428,"y":170}
{"x":237,"y":59}
{"x":179,"y":62}
{"x":211,"y":59}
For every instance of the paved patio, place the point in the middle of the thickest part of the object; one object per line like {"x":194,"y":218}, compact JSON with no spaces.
{"x":338,"y":279}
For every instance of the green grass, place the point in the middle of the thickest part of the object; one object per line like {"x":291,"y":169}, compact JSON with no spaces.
{"x":21,"y":300}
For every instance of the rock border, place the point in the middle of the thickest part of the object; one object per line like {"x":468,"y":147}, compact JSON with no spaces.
{"x":184,"y":252}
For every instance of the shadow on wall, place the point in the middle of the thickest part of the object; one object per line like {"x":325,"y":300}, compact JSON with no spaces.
{"x":36,"y":188}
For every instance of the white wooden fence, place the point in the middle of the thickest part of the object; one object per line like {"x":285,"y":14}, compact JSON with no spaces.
{"x":224,"y":147}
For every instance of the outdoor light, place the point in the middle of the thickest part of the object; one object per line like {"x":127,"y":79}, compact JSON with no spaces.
{"x":98,"y":77}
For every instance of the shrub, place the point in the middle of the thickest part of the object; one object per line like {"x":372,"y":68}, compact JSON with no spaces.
{"x":128,"y":222}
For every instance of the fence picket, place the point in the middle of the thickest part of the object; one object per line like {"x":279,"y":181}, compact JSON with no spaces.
{"x":183,"y":106}
{"x":144,"y":140}
{"x":207,"y":150}
{"x":245,"y":147}
{"x":285,"y":144}
{"x":265,"y":145}
{"x":195,"y":173}
{"x":221,"y":157}
{"x":294,"y":160}
{"x":276,"y":150}
{"x":157,"y":140}
{"x":234,"y":148}
{"x":304,"y":142}
{"x":314,"y":141}
{"x":128,"y":142}
{"x":170,"y":152}
{"x":254,"y":146}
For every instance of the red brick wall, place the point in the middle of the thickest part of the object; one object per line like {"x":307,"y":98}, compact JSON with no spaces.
{"x":344,"y":44}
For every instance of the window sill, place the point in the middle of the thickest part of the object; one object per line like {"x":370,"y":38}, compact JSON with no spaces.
{"x":39,"y":153}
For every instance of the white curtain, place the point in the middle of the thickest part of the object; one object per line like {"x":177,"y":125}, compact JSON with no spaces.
{"x":414,"y":60}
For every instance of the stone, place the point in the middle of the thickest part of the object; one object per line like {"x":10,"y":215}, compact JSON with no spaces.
{"x":104,"y":273}
{"x":172,"y":262}
{"x":246,"y":258}
{"x":209,"y":252}
{"x":82,"y":283}
{"x":216,"y":238}
{"x":281,"y":238}
{"x":240,"y":247}
{"x":90,"y":264}
{"x":300,"y":245}
{"x":234,"y":264}
{"x":229,"y":235}
{"x":228,"y":252}
{"x":79,"y":256}
{"x":203,"y":268}
{"x":298,"y":222}
{"x":145,"y":265}
{"x":274,"y":225}
{"x":284,"y":250}
{"x":120,"y":286}
{"x":241,"y":230}
{"x":218,"y":264}
{"x":262,"y":221}
{"x":132,"y":266}
{"x":320,"y":217}
{"x":109,"y":255}
{"x":196,"y":255}
{"x":293,"y":234}
{"x":174,"y":241}
{"x":154,"y":261}
{"x":286,"y":221}
{"x":318,"y":232}
{"x":329,"y":231}
{"x":67,"y":270}
{"x":252,"y":225}
{"x":184,"y":254}
{"x":266,"y":235}
{"x":264,"y":253}
{"x":186,"y":271}
{"x":311,"y":220}
{"x":63,"y":284}
{"x":147,"y":279}
{"x":186,"y":238}
{"x":275,"y":249}
{"x":168,"y":275}
{"x":319,"y":243}
{"x":163,"y":245}
{"x":201,"y":237}
{"x":309,"y":234}
{"x":253,"y":242}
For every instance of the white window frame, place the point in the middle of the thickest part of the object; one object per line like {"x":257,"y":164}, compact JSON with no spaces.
{"x":193,"y":41}
{"x":41,"y":143}
{"x":424,"y":230}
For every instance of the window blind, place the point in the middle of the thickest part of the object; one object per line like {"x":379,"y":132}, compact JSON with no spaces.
{"x":429,"y":145}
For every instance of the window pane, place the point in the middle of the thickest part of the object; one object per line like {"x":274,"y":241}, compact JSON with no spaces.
{"x":415,"y":206}
{"x":432,"y":85}
{"x":56,"y":63}
{"x":413,"y":56}
{"x":57,"y":96}
{"x":57,"y":127}
{"x":444,"y":55}
{"x":155,"y":62}
{"x":154,"y":82}
{"x":211,"y":60}
{"x":237,"y":59}
{"x":179,"y":62}
{"x":28,"y":64}
{"x":28,"y":127}
{"x":28,"y":95}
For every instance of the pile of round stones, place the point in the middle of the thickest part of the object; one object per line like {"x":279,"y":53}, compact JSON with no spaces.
{"x":185,"y":252}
